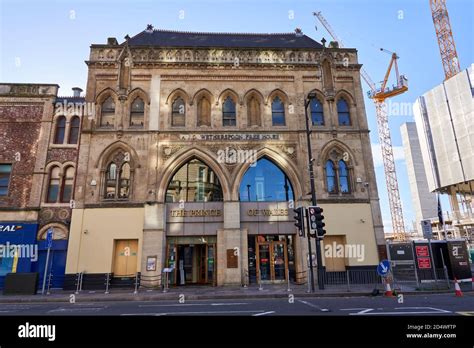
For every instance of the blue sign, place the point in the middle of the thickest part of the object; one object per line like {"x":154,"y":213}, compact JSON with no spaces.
{"x":383,"y":268}
{"x":49,"y":237}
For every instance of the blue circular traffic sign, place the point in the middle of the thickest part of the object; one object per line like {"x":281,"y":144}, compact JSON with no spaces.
{"x":383,"y":268}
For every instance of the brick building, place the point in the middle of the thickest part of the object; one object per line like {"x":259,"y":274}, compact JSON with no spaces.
{"x":39,"y":146}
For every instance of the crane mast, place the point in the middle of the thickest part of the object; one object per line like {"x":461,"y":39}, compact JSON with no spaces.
{"x":447,"y":48}
{"x":379,"y":96}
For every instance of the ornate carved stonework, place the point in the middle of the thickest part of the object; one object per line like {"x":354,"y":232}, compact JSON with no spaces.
{"x":169,"y":150}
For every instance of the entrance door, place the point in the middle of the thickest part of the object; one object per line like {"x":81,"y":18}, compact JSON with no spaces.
{"x":125,"y":258}
{"x":272,"y":261}
{"x":334,"y":262}
{"x":195,"y":263}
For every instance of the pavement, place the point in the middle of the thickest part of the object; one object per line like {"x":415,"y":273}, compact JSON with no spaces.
{"x":202,"y":293}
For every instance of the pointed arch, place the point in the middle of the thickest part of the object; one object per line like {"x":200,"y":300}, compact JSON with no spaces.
{"x":228,"y":91}
{"x":275,"y":156}
{"x":341,"y":148}
{"x":182,"y":157}
{"x":104,"y":94}
{"x":138,"y":92}
{"x":280,"y":93}
{"x":118,"y":145}
{"x":345,"y":94}
{"x":199,"y":94}
{"x":255,"y":92}
{"x":175,"y":93}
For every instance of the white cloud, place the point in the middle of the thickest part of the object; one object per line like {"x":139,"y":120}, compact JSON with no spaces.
{"x":398,"y":154}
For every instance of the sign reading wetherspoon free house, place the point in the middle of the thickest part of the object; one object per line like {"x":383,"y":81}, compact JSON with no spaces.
{"x":230,"y":137}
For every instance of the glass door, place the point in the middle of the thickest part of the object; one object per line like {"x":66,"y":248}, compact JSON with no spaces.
{"x":211,"y":249}
{"x":279,"y":261}
{"x":264,"y":262}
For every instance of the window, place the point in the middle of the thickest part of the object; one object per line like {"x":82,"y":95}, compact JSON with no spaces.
{"x":107,"y":115}
{"x":228,"y":113}
{"x":54,"y":185}
{"x":317,"y":113}
{"x":331,"y":177}
{"x":343,"y":113}
{"x":278,"y":112}
{"x":204,"y":112}
{"x":137,"y":113}
{"x":111,"y":181}
{"x":5,"y":172}
{"x":337,"y":177}
{"x":60,"y":130}
{"x":253,"y":112}
{"x":124,"y":181}
{"x":265,"y":182}
{"x":118,"y":178}
{"x":191,"y":184}
{"x":178,"y":113}
{"x":68,"y":184}
{"x":343,"y":177}
{"x":74,"y":130}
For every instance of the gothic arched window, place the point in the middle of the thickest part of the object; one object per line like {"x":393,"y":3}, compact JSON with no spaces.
{"x":343,"y":114}
{"x":317,"y":113}
{"x":228,"y":112}
{"x":137,"y":113}
{"x":74,"y":130}
{"x":278,"y":112}
{"x":118,"y":178}
{"x":60,"y":130}
{"x":178,"y":113}
{"x":107,"y":114}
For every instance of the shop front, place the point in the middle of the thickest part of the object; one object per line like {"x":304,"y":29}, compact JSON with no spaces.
{"x":18,"y":248}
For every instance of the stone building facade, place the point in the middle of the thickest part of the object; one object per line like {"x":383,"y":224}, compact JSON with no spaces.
{"x":39,"y":147}
{"x":194,"y":156}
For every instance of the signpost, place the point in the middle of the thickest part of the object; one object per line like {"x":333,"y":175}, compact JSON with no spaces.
{"x":49,"y":242}
{"x":427,"y":229}
{"x":428,"y":234}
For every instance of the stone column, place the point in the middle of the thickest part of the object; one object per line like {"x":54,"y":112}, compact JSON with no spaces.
{"x":154,"y":242}
{"x":231,"y":238}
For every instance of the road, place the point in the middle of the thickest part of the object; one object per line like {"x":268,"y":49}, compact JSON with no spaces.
{"x":441,"y":304}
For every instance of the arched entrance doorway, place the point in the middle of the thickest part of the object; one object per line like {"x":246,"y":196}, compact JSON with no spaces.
{"x":194,"y":204}
{"x":267,"y":192}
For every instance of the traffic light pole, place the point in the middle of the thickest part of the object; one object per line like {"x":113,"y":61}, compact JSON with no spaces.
{"x":313,"y":201}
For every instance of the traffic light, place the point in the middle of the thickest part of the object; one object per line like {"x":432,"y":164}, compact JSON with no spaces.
{"x":299,"y":220}
{"x":316,"y":224}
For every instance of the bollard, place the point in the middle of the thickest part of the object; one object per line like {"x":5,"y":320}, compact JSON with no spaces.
{"x":107,"y":284}
{"x":49,"y":282}
{"x":260,"y":288}
{"x":288,"y":281}
{"x":165,"y":287}
{"x":136,"y":284}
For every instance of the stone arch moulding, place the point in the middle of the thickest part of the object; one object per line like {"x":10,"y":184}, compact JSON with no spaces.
{"x":104,"y":94}
{"x":283,"y":163}
{"x":319,"y":94}
{"x":281,"y":94}
{"x":175,"y":93}
{"x":200,"y":93}
{"x":60,"y":231}
{"x":116,"y":146}
{"x":225,"y":93}
{"x":138,"y":92}
{"x":253,"y":92}
{"x":338,"y":145}
{"x":185,"y":155}
{"x":344,"y":94}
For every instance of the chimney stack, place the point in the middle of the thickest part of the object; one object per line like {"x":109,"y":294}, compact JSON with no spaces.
{"x":76,"y":92}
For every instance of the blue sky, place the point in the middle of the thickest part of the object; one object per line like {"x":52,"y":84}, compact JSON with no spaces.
{"x":48,"y":41}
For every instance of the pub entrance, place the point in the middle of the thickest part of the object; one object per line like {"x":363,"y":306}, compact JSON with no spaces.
{"x":271,"y":258}
{"x":192,"y":259}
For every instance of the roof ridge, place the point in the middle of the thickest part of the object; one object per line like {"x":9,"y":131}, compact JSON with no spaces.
{"x":216,"y":33}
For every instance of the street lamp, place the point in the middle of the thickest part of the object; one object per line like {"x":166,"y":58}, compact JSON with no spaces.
{"x":311,"y":96}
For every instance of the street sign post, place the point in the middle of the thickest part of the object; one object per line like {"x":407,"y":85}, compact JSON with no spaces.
{"x":49,"y":242}
{"x":383,"y":268}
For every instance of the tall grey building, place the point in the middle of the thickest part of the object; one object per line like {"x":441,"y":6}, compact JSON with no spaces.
{"x":424,"y":201}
